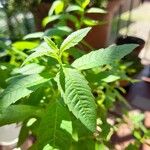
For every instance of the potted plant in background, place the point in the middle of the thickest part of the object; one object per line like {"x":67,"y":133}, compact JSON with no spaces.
{"x":98,"y":14}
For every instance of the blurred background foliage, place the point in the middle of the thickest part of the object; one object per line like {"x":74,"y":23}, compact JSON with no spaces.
{"x":26,"y":15}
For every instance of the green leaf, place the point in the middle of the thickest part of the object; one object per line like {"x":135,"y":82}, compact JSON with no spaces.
{"x":84,"y":144}
{"x":75,"y":52}
{"x":103,"y":56}
{"x":136,"y":118}
{"x":147,"y":133}
{"x":17,"y":113}
{"x":137,"y":135}
{"x":96,"y":10}
{"x":83,"y":3}
{"x":29,"y":69}
{"x":71,"y":8}
{"x":78,"y":97}
{"x":33,"y":35}
{"x":48,"y":147}
{"x":101,"y":147}
{"x":23,"y":135}
{"x":19,"y":88}
{"x":51,"y":44}
{"x":71,"y":18}
{"x":83,"y":137}
{"x":36,"y":97}
{"x":106,"y":131}
{"x":3,"y":45}
{"x":74,"y":38}
{"x":132,"y":147}
{"x":58,"y":31}
{"x":111,"y":78}
{"x":51,"y":130}
{"x":57,"y":6}
{"x":93,"y":77}
{"x":49,"y":19}
{"x":5,"y":70}
{"x":41,"y":50}
{"x":90,"y":22}
{"x":21,"y":45}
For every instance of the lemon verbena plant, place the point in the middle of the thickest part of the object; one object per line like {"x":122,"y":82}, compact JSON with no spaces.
{"x":57,"y":105}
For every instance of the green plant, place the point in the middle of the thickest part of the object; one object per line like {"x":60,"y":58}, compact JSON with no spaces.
{"x":75,"y":12}
{"x":54,"y":100}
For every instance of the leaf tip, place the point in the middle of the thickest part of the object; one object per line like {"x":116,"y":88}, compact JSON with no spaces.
{"x":88,"y":29}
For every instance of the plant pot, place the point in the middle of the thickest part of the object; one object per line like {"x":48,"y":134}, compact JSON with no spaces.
{"x":9,"y":135}
{"x":98,"y":36}
{"x":131,"y":40}
{"x":40,"y":12}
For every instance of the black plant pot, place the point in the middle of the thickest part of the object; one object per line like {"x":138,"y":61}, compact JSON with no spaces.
{"x":132,"y":57}
{"x":131,"y":40}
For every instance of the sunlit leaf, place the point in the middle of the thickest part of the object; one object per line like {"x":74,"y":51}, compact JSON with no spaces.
{"x":58,"y":31}
{"x":50,"y":19}
{"x":21,"y":45}
{"x":103,"y":56}
{"x":74,"y":38}
{"x":111,"y":78}
{"x":51,"y":44}
{"x":78,"y":97}
{"x":90,"y":22}
{"x":19,"y":88}
{"x":57,"y":6}
{"x":96,"y":10}
{"x":33,"y":35}
{"x":29,"y":69}
{"x":71,"y":8}
{"x":83,"y":3}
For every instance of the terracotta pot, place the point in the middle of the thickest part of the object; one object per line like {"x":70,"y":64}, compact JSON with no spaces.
{"x":99,"y":34}
{"x":98,"y":37}
{"x":39,"y":13}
